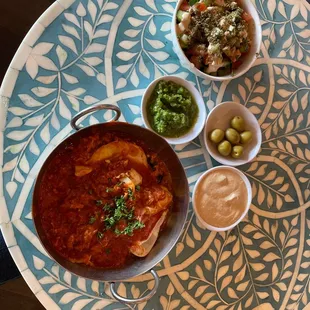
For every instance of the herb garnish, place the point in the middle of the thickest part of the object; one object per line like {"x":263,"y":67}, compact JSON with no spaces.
{"x":107,"y":207}
{"x":121,"y":212}
{"x":90,"y":192}
{"x":130,"y":228}
{"x":92,"y":220}
{"x":130,"y":194}
{"x":120,"y":202}
{"x":138,"y":188}
{"x":109,"y":222}
{"x":108,"y":190}
{"x":99,"y":235}
{"x":98,"y":202}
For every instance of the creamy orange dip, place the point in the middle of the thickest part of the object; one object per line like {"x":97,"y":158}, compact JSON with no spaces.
{"x":221,"y":198}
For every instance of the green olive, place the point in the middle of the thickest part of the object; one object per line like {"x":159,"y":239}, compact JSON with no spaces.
{"x":246,"y":137}
{"x":237,"y":151}
{"x":232,"y":135}
{"x":217,"y":135}
{"x":224,"y":148}
{"x":238,"y":123}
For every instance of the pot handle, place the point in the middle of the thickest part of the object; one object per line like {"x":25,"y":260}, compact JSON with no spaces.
{"x":93,"y":109}
{"x":137,"y":300}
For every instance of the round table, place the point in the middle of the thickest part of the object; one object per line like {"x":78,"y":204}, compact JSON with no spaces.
{"x":84,"y":52}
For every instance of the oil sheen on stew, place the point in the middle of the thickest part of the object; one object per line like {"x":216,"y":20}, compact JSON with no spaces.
{"x":104,"y":199}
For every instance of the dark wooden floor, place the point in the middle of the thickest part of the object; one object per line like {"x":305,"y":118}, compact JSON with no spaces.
{"x":16,"y":18}
{"x":16,"y":295}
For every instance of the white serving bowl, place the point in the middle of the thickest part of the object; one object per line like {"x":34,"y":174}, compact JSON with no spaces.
{"x":249,"y":198}
{"x":247,"y":60}
{"x":220,"y":118}
{"x":197,"y":128}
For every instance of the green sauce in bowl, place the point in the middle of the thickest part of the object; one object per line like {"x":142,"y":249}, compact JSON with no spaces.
{"x":171,"y":111}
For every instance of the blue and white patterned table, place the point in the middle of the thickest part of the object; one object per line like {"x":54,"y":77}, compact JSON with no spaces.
{"x":83,"y":52}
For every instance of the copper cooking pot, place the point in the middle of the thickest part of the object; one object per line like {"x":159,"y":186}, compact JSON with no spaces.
{"x":167,"y":238}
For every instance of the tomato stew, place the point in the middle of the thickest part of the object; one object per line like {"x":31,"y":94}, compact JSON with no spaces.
{"x":97,"y":201}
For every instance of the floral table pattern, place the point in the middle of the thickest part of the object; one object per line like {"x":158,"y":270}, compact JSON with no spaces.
{"x":83,"y":52}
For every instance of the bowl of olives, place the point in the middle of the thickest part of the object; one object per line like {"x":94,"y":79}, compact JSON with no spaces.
{"x":232,"y":134}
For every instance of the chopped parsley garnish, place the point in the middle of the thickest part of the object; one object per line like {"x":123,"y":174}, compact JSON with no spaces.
{"x":121,"y":212}
{"x":138,"y":188}
{"x":130,"y":228}
{"x":90,"y":192}
{"x":98,"y":202}
{"x":109,"y":222}
{"x":107,"y":207}
{"x":120,"y":202}
{"x":99,"y":235}
{"x":108,"y":190}
{"x":130,"y":193}
{"x":119,"y":183}
{"x":117,"y":232}
{"x":92,"y":220}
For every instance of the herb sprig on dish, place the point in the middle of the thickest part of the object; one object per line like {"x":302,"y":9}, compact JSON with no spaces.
{"x":130,"y":228}
{"x":92,"y":220}
{"x":121,"y":212}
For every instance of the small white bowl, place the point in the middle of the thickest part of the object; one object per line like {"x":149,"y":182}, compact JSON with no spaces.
{"x":249,"y":198}
{"x":247,"y":60}
{"x":220,"y":118}
{"x":197,"y":128}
